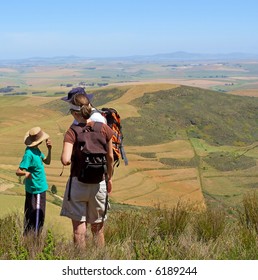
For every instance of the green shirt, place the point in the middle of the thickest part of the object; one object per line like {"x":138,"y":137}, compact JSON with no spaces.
{"x":32,"y":162}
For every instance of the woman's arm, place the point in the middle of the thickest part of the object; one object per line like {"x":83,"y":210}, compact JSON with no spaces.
{"x":66,"y":153}
{"x":110,"y":163}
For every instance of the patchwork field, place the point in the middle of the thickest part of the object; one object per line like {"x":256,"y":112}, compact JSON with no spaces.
{"x":51,"y":76}
{"x":158,"y":174}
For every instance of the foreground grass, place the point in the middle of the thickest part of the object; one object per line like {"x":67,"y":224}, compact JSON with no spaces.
{"x":145,"y":234}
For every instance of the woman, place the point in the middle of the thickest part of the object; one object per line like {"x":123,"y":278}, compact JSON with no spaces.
{"x":85,"y":203}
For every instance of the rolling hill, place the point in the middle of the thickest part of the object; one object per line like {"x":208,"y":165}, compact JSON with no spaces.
{"x":183,"y":143}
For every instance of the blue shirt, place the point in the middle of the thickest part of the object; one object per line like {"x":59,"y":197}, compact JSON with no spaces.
{"x":32,"y":162}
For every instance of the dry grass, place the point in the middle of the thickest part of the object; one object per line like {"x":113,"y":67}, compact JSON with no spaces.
{"x":246,"y":92}
{"x":180,"y":233}
{"x":61,"y":226}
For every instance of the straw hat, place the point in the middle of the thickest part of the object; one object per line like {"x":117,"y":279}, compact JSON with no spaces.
{"x":35,"y":136}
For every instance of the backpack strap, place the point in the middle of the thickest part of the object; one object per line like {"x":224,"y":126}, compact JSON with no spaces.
{"x":107,"y":198}
{"x":69,"y":188}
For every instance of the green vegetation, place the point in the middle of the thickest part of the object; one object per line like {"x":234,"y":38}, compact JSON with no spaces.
{"x":180,"y":233}
{"x":147,"y":155}
{"x":103,"y":96}
{"x":228,"y":161}
{"x":217,"y":118}
{"x":175,"y":163}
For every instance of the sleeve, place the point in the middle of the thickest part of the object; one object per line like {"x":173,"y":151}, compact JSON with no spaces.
{"x":70,"y":136}
{"x":42,"y":156}
{"x":107,"y":131}
{"x":25,"y":162}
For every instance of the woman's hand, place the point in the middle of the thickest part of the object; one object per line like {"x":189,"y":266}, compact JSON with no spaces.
{"x":109,"y":185}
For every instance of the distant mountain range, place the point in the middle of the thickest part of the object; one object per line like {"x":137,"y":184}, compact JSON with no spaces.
{"x":174,"y":56}
{"x":199,"y":56}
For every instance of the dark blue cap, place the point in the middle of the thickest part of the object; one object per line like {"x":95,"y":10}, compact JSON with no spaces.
{"x":74,"y":91}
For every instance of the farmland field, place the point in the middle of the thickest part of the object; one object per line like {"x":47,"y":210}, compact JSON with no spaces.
{"x":157,"y":174}
{"x":45,"y":77}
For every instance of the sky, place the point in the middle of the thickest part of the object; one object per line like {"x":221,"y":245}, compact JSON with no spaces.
{"x":112,"y":28}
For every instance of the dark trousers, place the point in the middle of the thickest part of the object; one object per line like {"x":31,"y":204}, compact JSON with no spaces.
{"x":34,"y":212}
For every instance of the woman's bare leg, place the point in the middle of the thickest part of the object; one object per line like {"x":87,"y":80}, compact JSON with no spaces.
{"x":98,"y":234}
{"x":79,"y":233}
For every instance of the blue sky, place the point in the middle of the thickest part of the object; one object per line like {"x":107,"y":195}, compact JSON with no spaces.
{"x":102,"y":28}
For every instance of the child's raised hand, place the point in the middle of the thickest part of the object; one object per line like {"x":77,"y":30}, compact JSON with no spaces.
{"x":48,"y":143}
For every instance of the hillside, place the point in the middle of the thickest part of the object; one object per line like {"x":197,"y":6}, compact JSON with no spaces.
{"x":183,"y":143}
{"x":186,"y":112}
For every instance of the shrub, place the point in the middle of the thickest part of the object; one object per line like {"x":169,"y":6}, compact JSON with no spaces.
{"x":209,"y":225}
{"x":172,"y":221}
{"x":249,"y":216}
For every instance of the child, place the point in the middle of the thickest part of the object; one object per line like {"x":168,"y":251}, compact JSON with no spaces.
{"x":36,"y":185}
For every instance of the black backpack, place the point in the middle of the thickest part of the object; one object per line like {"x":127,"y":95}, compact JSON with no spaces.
{"x":89,"y":155}
{"x":89,"y":160}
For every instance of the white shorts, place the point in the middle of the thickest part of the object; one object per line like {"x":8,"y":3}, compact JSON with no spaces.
{"x":87,"y":202}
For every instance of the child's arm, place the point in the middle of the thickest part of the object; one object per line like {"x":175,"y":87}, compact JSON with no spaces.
{"x":23,"y":172}
{"x":47,"y":159}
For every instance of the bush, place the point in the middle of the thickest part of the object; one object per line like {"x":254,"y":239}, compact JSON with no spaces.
{"x":249,"y":216}
{"x":228,"y":162}
{"x":209,"y":225}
